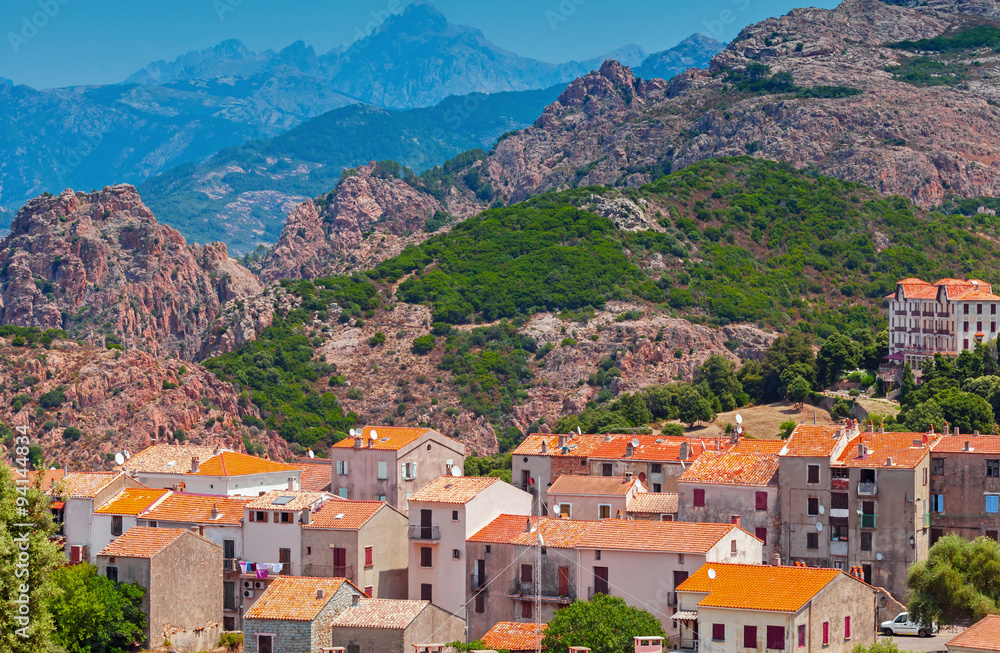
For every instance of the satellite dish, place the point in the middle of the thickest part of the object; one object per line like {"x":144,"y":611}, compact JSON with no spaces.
{"x":119,"y":459}
{"x":310,"y":454}
{"x":456,"y":472}
{"x":127,"y":455}
{"x":819,"y":526}
{"x":711,"y":574}
{"x":635,"y":442}
{"x":352,"y":433}
{"x":878,"y":556}
{"x":374,"y":435}
{"x":739,"y":418}
{"x":822,"y":510}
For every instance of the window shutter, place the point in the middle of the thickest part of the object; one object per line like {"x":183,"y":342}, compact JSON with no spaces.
{"x":847,"y":627}
{"x":402,"y":470}
{"x":413,"y":470}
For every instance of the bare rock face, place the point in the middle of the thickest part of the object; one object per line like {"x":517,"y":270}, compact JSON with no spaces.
{"x":99,"y":266}
{"x":120,"y":401}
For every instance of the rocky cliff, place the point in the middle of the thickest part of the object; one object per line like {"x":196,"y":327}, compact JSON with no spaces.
{"x":99,"y":266}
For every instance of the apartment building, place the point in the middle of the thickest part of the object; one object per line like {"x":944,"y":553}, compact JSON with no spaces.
{"x":722,"y":609}
{"x":965,"y":486}
{"x":388,"y":463}
{"x":579,"y":559}
{"x":443,"y":515}
{"x":272,"y":529}
{"x":739,"y":486}
{"x":851,"y":498}
{"x":120,"y":513}
{"x":947,"y":317}
{"x":592,"y":497}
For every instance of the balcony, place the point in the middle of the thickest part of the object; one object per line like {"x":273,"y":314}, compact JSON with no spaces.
{"x":928,"y":313}
{"x":867,"y":489}
{"x":672,"y":598}
{"x":286,"y":570}
{"x":867,"y":521}
{"x":478,"y":583}
{"x":549,"y":593}
{"x":329,"y":571}
{"x":838,"y":548}
{"x":428,"y":533}
{"x":841,"y":484}
{"x":230,"y":565}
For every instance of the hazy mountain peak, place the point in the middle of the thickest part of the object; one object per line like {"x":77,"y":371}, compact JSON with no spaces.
{"x":693,"y":52}
{"x":228,"y":58}
{"x":6,"y":82}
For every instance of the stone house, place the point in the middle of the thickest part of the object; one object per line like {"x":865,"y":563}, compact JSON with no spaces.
{"x":982,"y":637}
{"x":515,"y":559}
{"x":182,"y":574}
{"x":965,"y":486}
{"x":295,"y":614}
{"x":722,"y":609}
{"x":649,"y":506}
{"x":389,"y":463}
{"x":380,"y":625}
{"x":592,"y":497}
{"x":362,"y":541}
{"x":443,"y":515}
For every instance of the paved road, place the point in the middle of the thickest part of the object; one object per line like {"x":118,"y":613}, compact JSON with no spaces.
{"x":921,"y":644}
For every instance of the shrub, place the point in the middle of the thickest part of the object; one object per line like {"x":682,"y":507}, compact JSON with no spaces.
{"x":230,"y":640}
{"x":72,"y":433}
{"x":423,"y":344}
{"x":376,"y":340}
{"x":673,"y":428}
{"x":355,"y":394}
{"x":52,"y":398}
{"x":168,"y":385}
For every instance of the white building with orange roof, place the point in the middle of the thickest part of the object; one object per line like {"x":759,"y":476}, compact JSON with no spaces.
{"x":592,"y":497}
{"x":443,"y":515}
{"x":947,"y":317}
{"x":122,"y":512}
{"x":852,"y":498}
{"x":514,"y":636}
{"x":207,"y":470}
{"x":726,"y":607}
{"x":272,"y":530}
{"x":389,"y":463}
{"x":81,"y":493}
{"x":582,"y":558}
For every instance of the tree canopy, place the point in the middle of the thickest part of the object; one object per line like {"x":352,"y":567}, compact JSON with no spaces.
{"x":958,"y":583}
{"x":606,"y":624}
{"x":95,"y":614}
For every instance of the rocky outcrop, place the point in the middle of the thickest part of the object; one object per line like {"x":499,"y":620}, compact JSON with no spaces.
{"x":98,"y":265}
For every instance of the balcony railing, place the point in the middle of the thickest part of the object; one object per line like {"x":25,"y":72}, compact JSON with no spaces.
{"x":867,"y":521}
{"x":549,"y":593}
{"x":286,"y":570}
{"x":478,"y":583}
{"x":418,"y":532}
{"x":672,"y":598}
{"x":867,"y":489}
{"x":838,"y":548}
{"x":840,"y":484}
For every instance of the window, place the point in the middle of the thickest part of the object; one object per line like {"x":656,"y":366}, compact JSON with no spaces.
{"x":992,"y":503}
{"x":383,"y":470}
{"x":979,"y":309}
{"x":839,"y":501}
{"x":265,"y":643}
{"x":718,"y":632}
{"x":454,"y":515}
{"x":732,"y":547}
{"x":527,"y":574}
{"x":565,"y":510}
{"x":229,"y":623}
{"x":656,"y":468}
{"x":925,"y":476}
{"x":847,"y":627}
{"x":284,"y":518}
{"x":761,"y":534}
{"x":979,"y":327}
{"x":992,"y":468}
{"x":456,"y":554}
{"x":965,"y":309}
{"x":812,"y":474}
{"x":802,"y":636}
{"x":750,"y":637}
{"x":657,"y":487}
{"x":369,"y":556}
{"x":604,"y":511}
{"x":776,"y":638}
{"x":380,"y":497}
{"x":597,"y":554}
{"x":812,"y":506}
{"x":488,"y":549}
{"x":527,"y":610}
{"x":116,"y":525}
{"x":937,"y":503}
{"x":812,"y":540}
{"x":761,"y":500}
{"x":839,"y":532}
{"x":342,"y":492}
{"x":111,"y":573}
{"x":368,"y":590}
{"x":601,"y":580}
{"x":480,"y":603}
{"x":409,"y":471}
{"x":965,"y":342}
{"x":699,"y":498}
{"x":228,"y":595}
{"x":426,"y":557}
{"x":826,"y":633}
{"x":426,"y":592}
{"x":866,"y":540}
{"x":342,"y":467}
{"x":606,"y":469}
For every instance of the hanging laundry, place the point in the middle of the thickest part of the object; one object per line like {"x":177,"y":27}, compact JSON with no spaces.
{"x":277,"y":567}
{"x":243,"y":567}
{"x":261,"y":571}
{"x":252,"y":566}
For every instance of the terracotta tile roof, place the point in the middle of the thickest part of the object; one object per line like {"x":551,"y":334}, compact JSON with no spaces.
{"x":653,"y":503}
{"x":595,"y":486}
{"x":731,"y":468}
{"x":167,"y":458}
{"x":49,"y":476}
{"x":448,"y":489}
{"x":131,"y":501}
{"x":182,"y":507}
{"x":512,"y":529}
{"x":748,"y":445}
{"x":513,"y":636}
{"x":276,"y":500}
{"x":142,"y":542}
{"x":813,"y":441}
{"x":84,"y":484}
{"x":977,"y":444}
{"x":653,"y":448}
{"x":975,"y":295}
{"x":879,"y":447}
{"x":294,"y":598}
{"x":234,"y":463}
{"x":380,"y":613}
{"x":739,"y":586}
{"x":984,"y":635}
{"x":344,"y":514}
{"x":391,"y":438}
{"x":579,"y":445}
{"x":316,"y":474}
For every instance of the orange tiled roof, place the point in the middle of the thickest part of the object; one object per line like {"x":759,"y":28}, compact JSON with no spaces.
{"x":287,"y":500}
{"x":49,"y":476}
{"x":448,"y":489}
{"x":513,"y":529}
{"x":513,"y":636}
{"x":316,"y":474}
{"x":182,"y":507}
{"x":731,"y":468}
{"x":661,"y":503}
{"x":131,"y":501}
{"x":344,"y":514}
{"x":234,"y":463}
{"x":167,"y":458}
{"x":748,"y":445}
{"x":391,"y":438}
{"x":879,"y":447}
{"x":813,"y":441}
{"x":380,"y":613}
{"x":977,"y":444}
{"x":738,"y":586}
{"x":294,"y":598}
{"x":142,"y":542}
{"x":85,"y":484}
{"x":984,"y":635}
{"x":597,"y":486}
{"x":653,"y":448}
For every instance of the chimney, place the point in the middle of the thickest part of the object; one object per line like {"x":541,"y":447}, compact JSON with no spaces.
{"x":975,"y":434}
{"x":648,"y":644}
{"x":195,"y":464}
{"x":215,"y":511}
{"x":924,"y":439}
{"x":861,"y":450}
{"x":628,"y":477}
{"x":888,"y":462}
{"x":306,"y":516}
{"x":527,"y":525}
{"x":881,"y":428}
{"x":956,"y":431}
{"x":562,"y":440}
{"x":685,"y":451}
{"x":966,"y":447}
{"x":201,"y":530}
{"x":545,"y":445}
{"x":734,"y":520}
{"x":291,"y":484}
{"x":776,"y":559}
{"x":319,"y":593}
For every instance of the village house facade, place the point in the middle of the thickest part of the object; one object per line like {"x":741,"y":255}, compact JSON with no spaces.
{"x":272,"y":529}
{"x":965,"y":486}
{"x":77,"y":496}
{"x":592,"y":497}
{"x":380,"y":625}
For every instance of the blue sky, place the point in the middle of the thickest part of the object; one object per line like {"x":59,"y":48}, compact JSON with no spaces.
{"x":63,"y":42}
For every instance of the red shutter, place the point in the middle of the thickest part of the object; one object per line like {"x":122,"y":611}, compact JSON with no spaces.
{"x":699,"y":498}
{"x":762,"y":501}
{"x":802,"y":636}
{"x":761,"y":534}
{"x":826,"y":633}
{"x":368,"y":591}
{"x":750,"y":637}
{"x":776,"y":638}
{"x":368,"y":556}
{"x":847,"y":627}
{"x":719,"y":632}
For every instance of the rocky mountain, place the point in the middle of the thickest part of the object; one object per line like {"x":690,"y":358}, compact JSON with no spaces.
{"x":693,"y":52}
{"x":228,"y":59}
{"x":241,"y":195}
{"x":99,"y":266}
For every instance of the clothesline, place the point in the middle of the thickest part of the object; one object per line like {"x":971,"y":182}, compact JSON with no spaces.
{"x":261,"y":568}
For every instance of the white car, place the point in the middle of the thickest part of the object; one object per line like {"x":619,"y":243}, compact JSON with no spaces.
{"x":902,"y":625}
